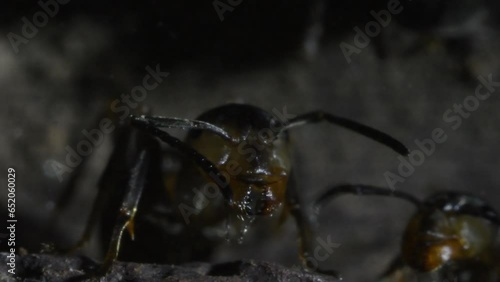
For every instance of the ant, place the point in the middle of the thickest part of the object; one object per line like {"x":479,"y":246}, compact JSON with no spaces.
{"x":241,"y":156}
{"x":452,"y":237}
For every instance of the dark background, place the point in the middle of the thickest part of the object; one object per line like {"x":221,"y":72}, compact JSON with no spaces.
{"x":270,"y":54}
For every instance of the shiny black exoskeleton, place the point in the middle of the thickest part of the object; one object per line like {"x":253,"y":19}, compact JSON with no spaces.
{"x":235,"y":173}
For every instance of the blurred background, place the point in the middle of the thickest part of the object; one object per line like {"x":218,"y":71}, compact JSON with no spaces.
{"x":62,"y":63}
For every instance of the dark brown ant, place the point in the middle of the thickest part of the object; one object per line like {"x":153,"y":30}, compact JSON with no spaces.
{"x":452,"y":237}
{"x":238,"y":155}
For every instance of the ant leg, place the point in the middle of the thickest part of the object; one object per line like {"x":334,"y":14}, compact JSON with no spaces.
{"x":123,"y":144}
{"x":395,"y":265}
{"x":91,"y":222}
{"x":70,"y":186}
{"x":69,"y":189}
{"x":379,"y":136}
{"x":128,"y":209}
{"x":121,"y":133}
{"x":62,"y":202}
{"x":306,"y":226}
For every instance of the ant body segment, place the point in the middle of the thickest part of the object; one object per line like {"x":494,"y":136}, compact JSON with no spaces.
{"x":452,"y":236}
{"x":239,"y":153}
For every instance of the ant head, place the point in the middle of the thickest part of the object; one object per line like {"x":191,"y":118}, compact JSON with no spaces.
{"x":255,"y":162}
{"x":462,"y":203}
{"x":450,"y":227}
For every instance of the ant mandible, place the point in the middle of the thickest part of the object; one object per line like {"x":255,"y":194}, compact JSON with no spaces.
{"x":453,"y":236}
{"x":241,"y":151}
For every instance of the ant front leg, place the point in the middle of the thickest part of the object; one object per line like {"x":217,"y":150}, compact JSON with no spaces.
{"x":132,"y":166}
{"x":69,"y":188}
{"x":133,"y":191}
{"x":306,"y":226}
{"x":110,"y":180}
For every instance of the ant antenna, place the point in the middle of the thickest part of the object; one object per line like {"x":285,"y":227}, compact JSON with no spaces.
{"x":372,"y":133}
{"x":171,"y":122}
{"x":359,"y":189}
{"x":149,"y":125}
